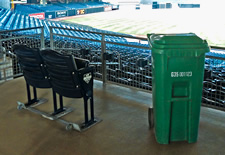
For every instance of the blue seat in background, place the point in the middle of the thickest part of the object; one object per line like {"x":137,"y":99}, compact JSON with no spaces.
{"x":10,"y":22}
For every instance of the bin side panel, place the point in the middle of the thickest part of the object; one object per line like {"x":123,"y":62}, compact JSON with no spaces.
{"x":160,"y":102}
{"x":196,"y":95}
{"x":177,"y":90}
{"x":179,"y":123}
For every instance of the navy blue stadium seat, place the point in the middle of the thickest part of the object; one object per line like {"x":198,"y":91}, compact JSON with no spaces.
{"x":71,"y":77}
{"x":33,"y":69}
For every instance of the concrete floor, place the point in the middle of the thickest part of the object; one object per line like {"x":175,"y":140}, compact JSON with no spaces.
{"x":124,"y":129}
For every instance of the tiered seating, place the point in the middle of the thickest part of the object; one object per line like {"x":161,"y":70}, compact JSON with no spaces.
{"x":2,"y":11}
{"x":27,"y":9}
{"x":49,"y":7}
{"x":4,"y":18}
{"x":10,"y":21}
{"x":30,"y":9}
{"x":27,"y":22}
{"x":97,"y":4}
{"x":21,"y":26}
{"x":74,"y":5}
{"x":82,"y":5}
{"x":16,"y":22}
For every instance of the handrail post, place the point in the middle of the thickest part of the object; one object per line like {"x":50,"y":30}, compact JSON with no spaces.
{"x":42,"y":38}
{"x":119,"y":60}
{"x":103,"y":47}
{"x":51,"y":38}
{"x":2,"y":50}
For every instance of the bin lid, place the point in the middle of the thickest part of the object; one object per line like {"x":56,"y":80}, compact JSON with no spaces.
{"x":176,"y":41}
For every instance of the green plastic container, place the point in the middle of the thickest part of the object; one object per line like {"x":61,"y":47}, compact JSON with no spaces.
{"x":178,"y":68}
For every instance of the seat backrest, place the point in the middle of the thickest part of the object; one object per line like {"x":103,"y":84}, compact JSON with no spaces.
{"x":31,"y":63}
{"x":63,"y":73}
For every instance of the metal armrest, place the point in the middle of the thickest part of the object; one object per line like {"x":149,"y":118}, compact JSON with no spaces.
{"x":81,"y":63}
{"x":86,"y":69}
{"x":86,"y":76}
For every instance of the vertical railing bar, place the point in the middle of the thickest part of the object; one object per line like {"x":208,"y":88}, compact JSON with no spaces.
{"x":51,"y":38}
{"x":103,"y":47}
{"x":42,"y":38}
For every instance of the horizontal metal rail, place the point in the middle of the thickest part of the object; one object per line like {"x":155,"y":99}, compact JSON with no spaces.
{"x":134,"y":46}
{"x":81,"y":38}
{"x":6,"y":31}
{"x":102,"y":33}
{"x":19,"y":37}
{"x":95,"y":40}
{"x":120,"y":35}
{"x":74,"y":49}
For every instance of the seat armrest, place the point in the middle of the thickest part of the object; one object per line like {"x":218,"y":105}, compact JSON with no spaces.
{"x":86,"y":77}
{"x":81,"y":63}
{"x":86,"y":70}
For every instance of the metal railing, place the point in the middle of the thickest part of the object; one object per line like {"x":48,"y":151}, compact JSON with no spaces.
{"x":32,"y":37}
{"x":125,"y":62}
{"x":214,"y":83}
{"x":113,"y":69}
{"x":134,"y":68}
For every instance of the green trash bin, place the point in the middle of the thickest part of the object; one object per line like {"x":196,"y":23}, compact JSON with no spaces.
{"x":177,"y":69}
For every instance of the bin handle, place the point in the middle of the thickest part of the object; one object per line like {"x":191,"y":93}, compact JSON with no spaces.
{"x":149,"y":42}
{"x":181,"y":99}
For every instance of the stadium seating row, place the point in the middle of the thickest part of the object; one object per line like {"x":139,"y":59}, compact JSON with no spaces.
{"x":57,"y":7}
{"x":29,"y":9}
{"x":10,"y":20}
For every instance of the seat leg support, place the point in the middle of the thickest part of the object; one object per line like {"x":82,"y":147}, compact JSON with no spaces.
{"x":35,"y":93}
{"x":54,"y":101}
{"x":61,"y":111}
{"x":86,"y":110}
{"x":35,"y":101}
{"x":61,"y":101}
{"x":58,"y":112}
{"x":56,"y":109}
{"x":92,"y":108}
{"x":87,"y":123}
{"x":28,"y":93}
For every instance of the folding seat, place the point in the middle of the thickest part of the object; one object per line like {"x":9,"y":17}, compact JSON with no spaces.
{"x":35,"y":75}
{"x":73,"y":78}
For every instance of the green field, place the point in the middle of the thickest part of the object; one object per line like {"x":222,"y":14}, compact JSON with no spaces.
{"x":206,"y":23}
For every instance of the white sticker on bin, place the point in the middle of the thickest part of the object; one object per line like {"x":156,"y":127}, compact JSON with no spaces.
{"x":181,"y":74}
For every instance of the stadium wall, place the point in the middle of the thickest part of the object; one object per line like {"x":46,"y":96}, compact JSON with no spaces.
{"x":40,"y":15}
{"x":74,"y":12}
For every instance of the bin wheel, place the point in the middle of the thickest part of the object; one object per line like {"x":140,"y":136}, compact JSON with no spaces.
{"x":150,"y":118}
{"x":20,"y":107}
{"x":69,"y":127}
